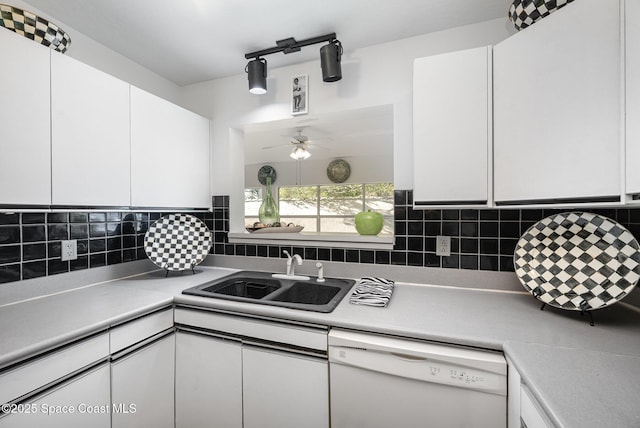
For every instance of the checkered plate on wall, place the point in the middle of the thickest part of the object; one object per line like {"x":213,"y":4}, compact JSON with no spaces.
{"x":177,"y":242}
{"x":34,"y":27}
{"x":523,"y":13}
{"x":578,"y":261}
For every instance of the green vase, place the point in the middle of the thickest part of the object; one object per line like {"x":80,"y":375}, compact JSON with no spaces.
{"x":268,"y":213}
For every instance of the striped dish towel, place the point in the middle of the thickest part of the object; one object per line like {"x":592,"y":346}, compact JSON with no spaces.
{"x":372,"y":291}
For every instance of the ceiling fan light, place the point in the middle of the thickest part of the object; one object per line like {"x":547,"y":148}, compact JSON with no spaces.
{"x":300,"y":153}
{"x":256,"y":71}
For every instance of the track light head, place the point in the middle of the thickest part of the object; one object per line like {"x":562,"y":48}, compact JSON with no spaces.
{"x":256,"y":71}
{"x":330,"y":56}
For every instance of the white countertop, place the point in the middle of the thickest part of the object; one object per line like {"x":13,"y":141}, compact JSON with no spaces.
{"x":552,"y":349}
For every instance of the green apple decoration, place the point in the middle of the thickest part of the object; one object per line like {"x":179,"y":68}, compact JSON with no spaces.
{"x":369,"y":223}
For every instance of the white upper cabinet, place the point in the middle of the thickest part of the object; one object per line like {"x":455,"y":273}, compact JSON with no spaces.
{"x":557,"y":108}
{"x":169,"y":154}
{"x":452,"y":128}
{"x":89,"y":135}
{"x":632,"y":58}
{"x":25,"y":165}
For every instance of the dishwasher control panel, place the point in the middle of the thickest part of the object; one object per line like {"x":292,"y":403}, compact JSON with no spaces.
{"x":446,"y":365}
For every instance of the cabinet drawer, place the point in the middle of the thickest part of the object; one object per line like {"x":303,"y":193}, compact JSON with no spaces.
{"x":41,"y":371}
{"x":304,"y":337}
{"x":133,"y":332}
{"x":530,"y":415}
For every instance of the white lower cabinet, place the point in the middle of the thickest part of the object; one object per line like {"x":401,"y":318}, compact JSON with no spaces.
{"x":523,"y":411}
{"x":82,"y":401}
{"x":208,"y":381}
{"x":283,"y":390}
{"x":236,"y":371}
{"x":530,"y":414}
{"x":223,"y":383}
{"x":142,"y":386}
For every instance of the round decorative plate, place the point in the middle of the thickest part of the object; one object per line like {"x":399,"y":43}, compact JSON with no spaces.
{"x":177,"y":242}
{"x":578,"y":261}
{"x":338,"y":171}
{"x":34,"y":27}
{"x":266,"y":171}
{"x":523,"y":13}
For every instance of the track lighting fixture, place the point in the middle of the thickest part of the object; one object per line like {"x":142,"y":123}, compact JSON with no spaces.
{"x":330,"y":56}
{"x":257,"y":73}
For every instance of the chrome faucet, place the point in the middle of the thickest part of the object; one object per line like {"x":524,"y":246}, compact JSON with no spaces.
{"x":290,"y":265}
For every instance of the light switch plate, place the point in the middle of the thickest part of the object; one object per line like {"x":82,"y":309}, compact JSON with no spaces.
{"x":69,"y":250}
{"x":443,"y":246}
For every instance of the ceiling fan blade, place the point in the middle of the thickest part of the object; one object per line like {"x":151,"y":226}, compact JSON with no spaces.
{"x":275,"y":146}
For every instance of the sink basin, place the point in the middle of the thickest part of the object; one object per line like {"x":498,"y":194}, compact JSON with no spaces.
{"x":262,"y":288}
{"x":244,"y":287}
{"x":310,"y":293}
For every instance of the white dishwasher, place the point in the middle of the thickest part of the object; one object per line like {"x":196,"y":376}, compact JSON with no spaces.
{"x":381,"y":381}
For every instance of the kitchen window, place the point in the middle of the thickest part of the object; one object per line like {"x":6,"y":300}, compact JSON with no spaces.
{"x":326,"y":209}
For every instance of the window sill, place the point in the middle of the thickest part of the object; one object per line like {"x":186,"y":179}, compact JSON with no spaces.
{"x":315,"y":239}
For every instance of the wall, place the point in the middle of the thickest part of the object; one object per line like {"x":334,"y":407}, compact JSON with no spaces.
{"x":372,"y":76}
{"x":90,"y":52}
{"x":364,"y":169}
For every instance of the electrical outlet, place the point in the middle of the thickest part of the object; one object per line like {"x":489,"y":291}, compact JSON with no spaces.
{"x":69,"y":250}
{"x":443,"y":246}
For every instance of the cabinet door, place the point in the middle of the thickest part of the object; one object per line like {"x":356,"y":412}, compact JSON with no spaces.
{"x":284,"y":390}
{"x":82,"y":401}
{"x":632,"y":47}
{"x":25,"y":155}
{"x":208,"y":382}
{"x":169,"y":154}
{"x":451,"y":128}
{"x":142,"y":388}
{"x":557,"y":118}
{"x":89,"y":135}
{"x":530,"y":414}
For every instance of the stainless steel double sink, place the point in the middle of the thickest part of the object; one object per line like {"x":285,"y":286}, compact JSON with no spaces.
{"x":263,"y":288}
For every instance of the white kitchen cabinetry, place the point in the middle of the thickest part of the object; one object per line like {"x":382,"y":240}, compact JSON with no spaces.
{"x":208,"y":381}
{"x":89,"y":135}
{"x":82,"y":401}
{"x":557,"y":108}
{"x":522,"y":409}
{"x":632,"y":58}
{"x":531,"y":416}
{"x":142,"y":386}
{"x":272,"y":374}
{"x":169,"y":154}
{"x":283,"y":390}
{"x":25,"y":162}
{"x":452,"y":129}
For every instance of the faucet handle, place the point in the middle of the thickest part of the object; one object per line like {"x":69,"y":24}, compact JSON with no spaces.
{"x":285,"y":252}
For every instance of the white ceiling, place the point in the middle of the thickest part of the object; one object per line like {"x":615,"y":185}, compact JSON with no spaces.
{"x":189,"y":41}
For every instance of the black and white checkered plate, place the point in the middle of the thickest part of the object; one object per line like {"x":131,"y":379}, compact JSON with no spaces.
{"x":578,"y":261}
{"x":524,"y":13}
{"x":177,"y":242}
{"x":34,"y":27}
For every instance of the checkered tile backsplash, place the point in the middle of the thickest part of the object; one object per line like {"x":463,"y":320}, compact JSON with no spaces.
{"x":480,"y":239}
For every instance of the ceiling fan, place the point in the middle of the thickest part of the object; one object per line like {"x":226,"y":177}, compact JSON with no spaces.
{"x":299,"y":145}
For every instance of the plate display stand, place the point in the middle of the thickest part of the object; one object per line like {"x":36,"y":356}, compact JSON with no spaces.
{"x":578,"y":261}
{"x":177,"y":242}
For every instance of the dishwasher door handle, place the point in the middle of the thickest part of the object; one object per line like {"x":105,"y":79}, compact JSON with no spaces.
{"x":408,"y":357}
